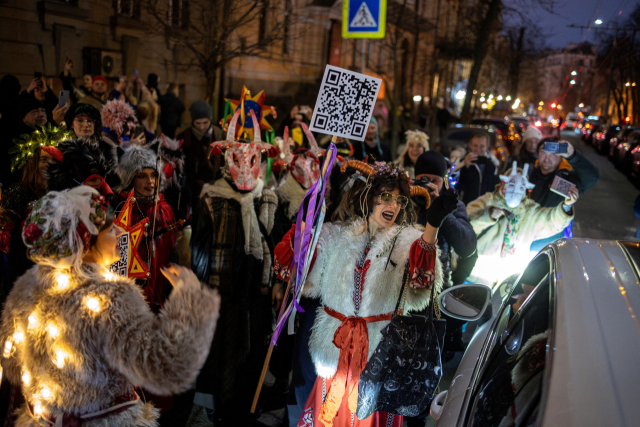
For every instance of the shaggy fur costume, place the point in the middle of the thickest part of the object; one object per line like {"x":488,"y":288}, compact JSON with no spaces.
{"x":122,"y":345}
{"x":114,"y":113}
{"x":82,"y":158}
{"x":134,"y":159}
{"x":339,"y":248}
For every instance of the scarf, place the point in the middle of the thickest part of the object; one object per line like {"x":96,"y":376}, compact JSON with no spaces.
{"x":252,"y":235}
{"x":199,"y":135}
{"x":291,"y":191}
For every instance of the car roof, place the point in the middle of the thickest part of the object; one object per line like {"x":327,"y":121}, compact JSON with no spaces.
{"x":595,"y":369}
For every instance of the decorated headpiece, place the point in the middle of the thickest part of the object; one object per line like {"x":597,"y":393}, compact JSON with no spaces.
{"x":173,"y":158}
{"x":83,"y":110}
{"x":135,"y":158}
{"x":46,"y":138}
{"x":58,"y":230}
{"x":516,"y":184}
{"x":114,"y":114}
{"x":243,"y":106}
{"x":367,"y":172}
{"x":303,"y":164}
{"x":242,"y":159}
{"x":83,"y":164}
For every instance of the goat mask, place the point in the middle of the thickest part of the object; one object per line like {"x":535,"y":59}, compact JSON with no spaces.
{"x":303,"y":164}
{"x":243,"y":159}
{"x":516,"y":185}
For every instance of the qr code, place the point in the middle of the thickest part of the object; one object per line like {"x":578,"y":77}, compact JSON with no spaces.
{"x":345,"y":103}
{"x":561,"y":186}
{"x":121,"y":266}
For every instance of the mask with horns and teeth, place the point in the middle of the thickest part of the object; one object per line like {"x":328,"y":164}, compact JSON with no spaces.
{"x":242,"y":159}
{"x":303,"y":164}
{"x":516,"y":185}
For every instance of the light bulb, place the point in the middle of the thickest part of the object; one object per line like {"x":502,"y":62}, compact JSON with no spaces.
{"x":37,"y":408}
{"x":53,"y":330}
{"x":63,"y":281}
{"x":93,"y":304}
{"x":18,"y":336}
{"x":33,"y":320}
{"x":8,"y":345}
{"x":26,"y":377}
{"x":109,"y":275}
{"x":61,"y":355}
{"x":46,"y":393}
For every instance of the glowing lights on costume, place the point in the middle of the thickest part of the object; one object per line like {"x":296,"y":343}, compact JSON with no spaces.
{"x":109,"y":276}
{"x":61,"y":356}
{"x":38,"y":409}
{"x":33,"y":320}
{"x":18,"y":336}
{"x":46,"y":393}
{"x":93,"y":304}
{"x":63,"y":281}
{"x":26,"y":377}
{"x":8,"y":345}
{"x":53,"y":330}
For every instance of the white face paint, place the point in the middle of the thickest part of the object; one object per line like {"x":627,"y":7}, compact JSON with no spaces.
{"x":516,"y":185}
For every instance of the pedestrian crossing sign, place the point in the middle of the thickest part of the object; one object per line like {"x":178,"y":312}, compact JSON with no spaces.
{"x":364,"y":19}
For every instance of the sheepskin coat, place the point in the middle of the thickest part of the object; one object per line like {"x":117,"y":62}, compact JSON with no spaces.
{"x":122,"y":344}
{"x":340,"y":246}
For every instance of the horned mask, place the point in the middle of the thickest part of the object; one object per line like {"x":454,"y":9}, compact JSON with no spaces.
{"x":242,"y":159}
{"x":303,"y":164}
{"x":516,"y":185}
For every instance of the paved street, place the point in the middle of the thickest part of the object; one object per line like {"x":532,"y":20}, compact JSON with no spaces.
{"x":605,"y":211}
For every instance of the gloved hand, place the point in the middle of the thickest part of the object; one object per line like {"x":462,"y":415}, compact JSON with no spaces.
{"x":442,"y":206}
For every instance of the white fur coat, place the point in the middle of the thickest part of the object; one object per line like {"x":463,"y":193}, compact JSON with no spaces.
{"x":107,"y":351}
{"x":332,"y":280}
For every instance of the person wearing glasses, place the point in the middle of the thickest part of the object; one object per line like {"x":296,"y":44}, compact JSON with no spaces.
{"x":84,"y":121}
{"x":357,"y":273}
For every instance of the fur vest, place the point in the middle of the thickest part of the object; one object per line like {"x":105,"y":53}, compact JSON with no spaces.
{"x":107,"y":347}
{"x":332,"y":279}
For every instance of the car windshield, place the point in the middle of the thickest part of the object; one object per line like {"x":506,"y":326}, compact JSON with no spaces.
{"x":501,"y":126}
{"x":510,"y":387}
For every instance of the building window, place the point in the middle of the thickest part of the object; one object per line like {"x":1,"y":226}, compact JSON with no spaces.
{"x":175,"y":12}
{"x":69,"y":2}
{"x":286,"y":31}
{"x":128,"y":8}
{"x":262,"y":26}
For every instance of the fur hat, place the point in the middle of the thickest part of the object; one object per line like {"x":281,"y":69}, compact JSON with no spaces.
{"x":114,"y":114}
{"x":58,"y":230}
{"x":82,"y":158}
{"x":531,"y":132}
{"x":134,"y":159}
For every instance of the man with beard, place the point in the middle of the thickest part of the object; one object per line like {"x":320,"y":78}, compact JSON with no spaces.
{"x":98,"y":95}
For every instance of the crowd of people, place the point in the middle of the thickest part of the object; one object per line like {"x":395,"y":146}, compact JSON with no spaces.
{"x":84,"y":345}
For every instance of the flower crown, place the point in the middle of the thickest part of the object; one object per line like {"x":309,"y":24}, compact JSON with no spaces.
{"x":382,"y":168}
{"x":28,"y":144}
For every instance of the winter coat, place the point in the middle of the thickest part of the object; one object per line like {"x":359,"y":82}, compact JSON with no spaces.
{"x":576,"y":169}
{"x":533,"y":222}
{"x":171,"y":109}
{"x":455,"y":234}
{"x":88,"y":356}
{"x":200,"y":168}
{"x":476,"y":180}
{"x":340,"y":247}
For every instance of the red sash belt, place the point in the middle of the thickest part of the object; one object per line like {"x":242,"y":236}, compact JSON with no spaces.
{"x":119,"y":404}
{"x":352,"y":339}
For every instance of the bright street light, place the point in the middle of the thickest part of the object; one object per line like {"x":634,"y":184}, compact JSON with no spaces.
{"x":598,"y":21}
{"x":628,"y":84}
{"x":499,"y":97}
{"x":581,"y":105}
{"x":461,"y":94}
{"x":508,"y":98}
{"x":485,"y":106}
{"x":417,"y":98}
{"x":482,"y":99}
{"x":541,"y":103}
{"x":574,"y":73}
{"x":572,"y":82}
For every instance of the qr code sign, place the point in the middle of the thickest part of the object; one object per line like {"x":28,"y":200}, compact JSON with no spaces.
{"x":121,"y":267}
{"x":345,"y":103}
{"x":561,"y":186}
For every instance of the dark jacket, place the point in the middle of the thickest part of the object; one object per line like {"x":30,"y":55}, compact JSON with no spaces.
{"x":372,"y":152}
{"x":576,"y":169}
{"x":524,"y":158}
{"x":200,"y":168}
{"x":455,"y":234}
{"x":476,"y":180}
{"x":171,"y":109}
{"x":50,"y":102}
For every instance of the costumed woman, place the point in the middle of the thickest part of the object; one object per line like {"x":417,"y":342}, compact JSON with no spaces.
{"x":231,"y":250}
{"x":357,"y":273}
{"x":139,"y":169}
{"x":417,"y":142}
{"x":78,"y":339}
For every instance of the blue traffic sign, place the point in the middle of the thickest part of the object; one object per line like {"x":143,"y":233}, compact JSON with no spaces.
{"x":364,"y":19}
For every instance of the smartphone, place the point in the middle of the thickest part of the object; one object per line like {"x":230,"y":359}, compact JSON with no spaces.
{"x":556,"y":147}
{"x":481,"y":159}
{"x":135,"y":73}
{"x":139,"y":130}
{"x":63,"y":98}
{"x":37,"y":75}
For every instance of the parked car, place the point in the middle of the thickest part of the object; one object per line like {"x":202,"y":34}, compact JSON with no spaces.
{"x":623,"y":160}
{"x":571,"y":120}
{"x":559,"y":346}
{"x":622,"y":137}
{"x":588,"y":123}
{"x":506,"y":128}
{"x":521,"y":123}
{"x":603,"y":136}
{"x":589,"y":130}
{"x":634,"y":165}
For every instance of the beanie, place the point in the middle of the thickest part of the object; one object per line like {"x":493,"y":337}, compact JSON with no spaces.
{"x":200,"y":110}
{"x":27,"y":105}
{"x":531,"y":132}
{"x":83,"y":110}
{"x":432,"y":163}
{"x":99,"y":77}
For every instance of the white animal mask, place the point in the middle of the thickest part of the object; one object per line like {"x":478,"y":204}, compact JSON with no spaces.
{"x":516,"y":185}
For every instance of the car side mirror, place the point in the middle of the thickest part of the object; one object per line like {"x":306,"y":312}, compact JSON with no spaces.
{"x":465,"y":302}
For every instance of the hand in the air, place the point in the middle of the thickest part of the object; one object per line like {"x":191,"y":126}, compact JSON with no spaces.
{"x":573,"y":196}
{"x":442,"y":206}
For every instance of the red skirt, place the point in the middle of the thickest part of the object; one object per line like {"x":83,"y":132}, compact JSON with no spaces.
{"x":344,"y":418}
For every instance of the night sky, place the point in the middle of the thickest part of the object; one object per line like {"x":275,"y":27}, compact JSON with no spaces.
{"x":580,"y":12}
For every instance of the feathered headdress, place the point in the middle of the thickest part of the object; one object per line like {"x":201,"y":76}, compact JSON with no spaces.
{"x":114,"y":114}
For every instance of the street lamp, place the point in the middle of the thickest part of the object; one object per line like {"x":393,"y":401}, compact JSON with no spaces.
{"x":499,"y":97}
{"x":598,"y":21}
{"x":574,"y":73}
{"x":581,"y":105}
{"x":417,"y":98}
{"x":508,"y":98}
{"x":572,"y":82}
{"x":482,"y":99}
{"x":541,"y":103}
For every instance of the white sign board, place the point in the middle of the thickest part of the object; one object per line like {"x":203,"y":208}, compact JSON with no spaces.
{"x":345,"y":103}
{"x":121,"y":267}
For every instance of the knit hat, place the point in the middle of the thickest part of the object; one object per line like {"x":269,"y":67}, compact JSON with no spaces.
{"x":114,"y":114}
{"x":58,"y":230}
{"x":99,"y":77}
{"x":377,"y":139}
{"x":531,"y":132}
{"x":82,"y":159}
{"x":83,"y":110}
{"x":134,"y":159}
{"x":432,"y":163}
{"x":200,"y":110}
{"x":27,"y":105}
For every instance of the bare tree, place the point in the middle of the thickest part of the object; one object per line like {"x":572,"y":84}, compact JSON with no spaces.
{"x":214,"y":32}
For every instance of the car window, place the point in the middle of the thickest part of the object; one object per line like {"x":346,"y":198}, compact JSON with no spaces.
{"x":510,"y":387}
